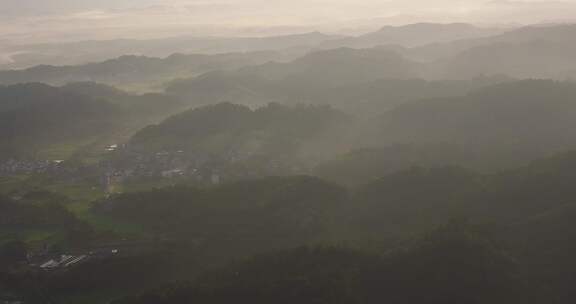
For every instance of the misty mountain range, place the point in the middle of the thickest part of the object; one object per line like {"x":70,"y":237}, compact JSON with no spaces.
{"x":459,"y":51}
{"x":419,"y":164}
{"x":367,"y":75}
{"x":137,"y":70}
{"x":73,"y":53}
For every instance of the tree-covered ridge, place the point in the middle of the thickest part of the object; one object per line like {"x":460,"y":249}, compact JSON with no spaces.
{"x":454,"y":264}
{"x":36,"y":117}
{"x":136,"y":70}
{"x":304,"y":79}
{"x":526,"y":213}
{"x":237,"y":219}
{"x":231,"y":128}
{"x":33,"y":115}
{"x":284,"y":83}
{"x":523,"y":208}
{"x":31,"y":214}
{"x":508,"y":123}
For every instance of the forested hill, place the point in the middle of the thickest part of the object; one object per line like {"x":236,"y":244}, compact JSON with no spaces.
{"x":342,"y":77}
{"x":527,"y":208}
{"x":514,"y":122}
{"x":132,"y":70}
{"x":321,"y":68}
{"x":230,"y":128}
{"x":36,"y":115}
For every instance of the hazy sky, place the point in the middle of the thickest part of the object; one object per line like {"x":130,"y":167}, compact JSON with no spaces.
{"x":78,"y":19}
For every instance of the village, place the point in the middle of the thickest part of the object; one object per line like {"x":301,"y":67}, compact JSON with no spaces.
{"x":120,"y":164}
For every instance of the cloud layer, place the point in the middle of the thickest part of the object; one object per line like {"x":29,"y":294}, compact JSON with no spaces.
{"x":76,"y":19}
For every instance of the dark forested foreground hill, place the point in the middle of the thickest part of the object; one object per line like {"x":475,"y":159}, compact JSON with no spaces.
{"x":519,"y":254}
{"x":410,"y":200}
{"x":452,"y":265}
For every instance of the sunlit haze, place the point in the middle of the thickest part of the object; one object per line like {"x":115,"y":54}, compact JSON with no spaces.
{"x":50,"y":20}
{"x":287,"y":151}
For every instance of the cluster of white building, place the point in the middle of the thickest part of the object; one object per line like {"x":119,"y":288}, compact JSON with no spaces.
{"x":63,"y":261}
{"x":69,"y":260}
